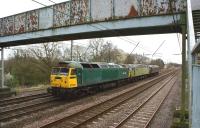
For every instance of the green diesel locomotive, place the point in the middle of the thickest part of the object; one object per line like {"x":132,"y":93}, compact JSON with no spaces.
{"x":71,"y":77}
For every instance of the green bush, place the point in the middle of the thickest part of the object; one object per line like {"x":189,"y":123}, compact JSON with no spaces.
{"x":12,"y":82}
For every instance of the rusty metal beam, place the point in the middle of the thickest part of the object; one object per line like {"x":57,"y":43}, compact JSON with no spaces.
{"x":134,"y":26}
{"x":47,"y":23}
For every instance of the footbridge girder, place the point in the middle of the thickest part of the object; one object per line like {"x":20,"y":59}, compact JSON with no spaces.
{"x":82,"y":19}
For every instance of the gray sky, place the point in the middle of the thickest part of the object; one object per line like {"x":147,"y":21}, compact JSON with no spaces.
{"x":148,"y":43}
{"x":195,"y":4}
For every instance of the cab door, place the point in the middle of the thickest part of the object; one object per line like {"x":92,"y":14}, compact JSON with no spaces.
{"x":72,"y":78}
{"x":79,"y":76}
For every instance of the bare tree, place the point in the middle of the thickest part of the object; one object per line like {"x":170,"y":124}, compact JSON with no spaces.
{"x":140,"y":59}
{"x":158,"y":62}
{"x":65,"y":53}
{"x":80,"y":53}
{"x":25,"y":69}
{"x":105,"y":51}
{"x":111,"y":53}
{"x":96,"y":47}
{"x":130,"y":59}
{"x":48,"y":55}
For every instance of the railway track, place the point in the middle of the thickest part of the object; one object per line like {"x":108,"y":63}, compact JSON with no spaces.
{"x":34,"y":104}
{"x":86,"y":116}
{"x":141,"y":116}
{"x":18,"y":100}
{"x":11,"y":108}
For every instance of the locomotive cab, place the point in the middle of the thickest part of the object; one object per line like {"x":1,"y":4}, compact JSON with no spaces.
{"x":63,"y":77}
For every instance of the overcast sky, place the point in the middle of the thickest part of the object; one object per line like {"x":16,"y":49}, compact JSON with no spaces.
{"x":148,"y":43}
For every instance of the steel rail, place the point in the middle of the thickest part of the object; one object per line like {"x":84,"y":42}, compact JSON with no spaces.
{"x":27,"y":109}
{"x":120,"y":124}
{"x":25,"y":112}
{"x":21,"y":99}
{"x":146,"y":85}
{"x":159,"y":106}
{"x":112,"y":108}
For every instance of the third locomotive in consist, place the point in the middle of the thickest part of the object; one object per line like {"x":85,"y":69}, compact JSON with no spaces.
{"x":71,"y":77}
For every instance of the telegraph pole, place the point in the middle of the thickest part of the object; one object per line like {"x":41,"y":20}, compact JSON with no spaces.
{"x":2,"y":67}
{"x":183,"y":73}
{"x":71,"y":50}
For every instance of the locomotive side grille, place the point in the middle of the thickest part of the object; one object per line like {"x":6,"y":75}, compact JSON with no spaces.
{"x":58,"y":77}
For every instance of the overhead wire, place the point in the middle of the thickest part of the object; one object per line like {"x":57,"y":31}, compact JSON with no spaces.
{"x":118,"y":34}
{"x":126,"y":40}
{"x":134,"y":48}
{"x":52,"y":1}
{"x":158,"y":48}
{"x":132,"y":51}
